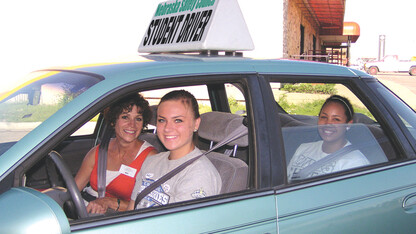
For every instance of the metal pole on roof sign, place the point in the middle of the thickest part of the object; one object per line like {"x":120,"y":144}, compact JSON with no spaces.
{"x":381,"y":46}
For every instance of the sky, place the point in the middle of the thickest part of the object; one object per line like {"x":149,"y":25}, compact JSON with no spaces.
{"x":383,"y":17}
{"x":55,"y":33}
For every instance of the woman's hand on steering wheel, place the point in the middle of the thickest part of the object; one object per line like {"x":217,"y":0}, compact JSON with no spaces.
{"x":98,"y":206}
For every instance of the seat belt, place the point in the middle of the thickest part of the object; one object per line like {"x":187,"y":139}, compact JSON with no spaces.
{"x":303,"y":173}
{"x":237,"y":133}
{"x":102,"y":162}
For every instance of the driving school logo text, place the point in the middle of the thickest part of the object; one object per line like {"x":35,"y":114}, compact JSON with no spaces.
{"x":177,"y":29}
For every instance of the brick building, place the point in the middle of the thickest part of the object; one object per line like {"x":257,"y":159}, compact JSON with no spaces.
{"x":301,"y":29}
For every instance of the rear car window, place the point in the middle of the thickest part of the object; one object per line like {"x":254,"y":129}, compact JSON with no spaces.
{"x":364,"y":142}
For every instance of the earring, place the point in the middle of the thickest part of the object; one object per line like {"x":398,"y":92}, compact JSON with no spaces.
{"x":195,"y":130}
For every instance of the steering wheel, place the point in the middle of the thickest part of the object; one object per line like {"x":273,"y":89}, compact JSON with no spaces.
{"x":70,"y":184}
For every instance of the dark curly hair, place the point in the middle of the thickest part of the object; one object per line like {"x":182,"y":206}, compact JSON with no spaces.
{"x":112,"y":112}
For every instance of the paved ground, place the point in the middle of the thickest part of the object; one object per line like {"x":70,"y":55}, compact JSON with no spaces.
{"x":403,"y":84}
{"x":400,"y":78}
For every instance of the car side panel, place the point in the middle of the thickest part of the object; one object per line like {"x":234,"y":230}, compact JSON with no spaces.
{"x":252,"y":215}
{"x":24,"y":210}
{"x":369,"y":203}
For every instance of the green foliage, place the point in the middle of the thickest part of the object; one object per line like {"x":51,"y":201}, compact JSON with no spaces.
{"x":310,"y":88}
{"x":235,"y":105}
{"x":66,"y":98}
{"x":305,"y":108}
{"x":313,"y":107}
{"x":204,"y":108}
{"x":22,"y":112}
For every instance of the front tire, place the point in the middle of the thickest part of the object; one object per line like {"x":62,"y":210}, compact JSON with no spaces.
{"x":412,"y":71}
{"x":373,"y":70}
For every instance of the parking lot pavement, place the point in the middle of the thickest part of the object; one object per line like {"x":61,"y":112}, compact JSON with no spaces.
{"x":403,"y":84}
{"x":400,"y":78}
{"x":8,"y":136}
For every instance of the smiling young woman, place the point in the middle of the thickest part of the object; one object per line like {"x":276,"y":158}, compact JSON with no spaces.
{"x":333,"y":120}
{"x":177,"y":120}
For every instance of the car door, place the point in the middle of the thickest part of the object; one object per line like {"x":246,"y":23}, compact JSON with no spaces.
{"x":376,"y":198}
{"x":391,"y":63}
{"x":363,"y":203}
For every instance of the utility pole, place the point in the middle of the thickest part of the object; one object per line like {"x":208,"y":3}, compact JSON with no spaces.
{"x":381,"y":46}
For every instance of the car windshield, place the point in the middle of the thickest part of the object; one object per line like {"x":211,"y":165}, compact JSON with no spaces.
{"x":24,"y":108}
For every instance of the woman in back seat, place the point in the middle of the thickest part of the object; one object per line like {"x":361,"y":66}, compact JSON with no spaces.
{"x":333,"y":118}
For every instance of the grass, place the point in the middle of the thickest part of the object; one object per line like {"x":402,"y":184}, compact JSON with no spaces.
{"x":234,"y":106}
{"x":22,"y":112}
{"x":312,"y":108}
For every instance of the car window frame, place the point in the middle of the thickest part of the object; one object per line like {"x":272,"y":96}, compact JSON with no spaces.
{"x":246,"y":79}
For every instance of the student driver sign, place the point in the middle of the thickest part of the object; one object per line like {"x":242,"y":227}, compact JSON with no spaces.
{"x":197,"y":25}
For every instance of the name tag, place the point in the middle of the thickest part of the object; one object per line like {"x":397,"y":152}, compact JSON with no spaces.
{"x":128,"y":171}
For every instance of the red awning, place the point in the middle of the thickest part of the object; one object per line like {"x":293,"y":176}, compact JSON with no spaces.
{"x":327,"y":16}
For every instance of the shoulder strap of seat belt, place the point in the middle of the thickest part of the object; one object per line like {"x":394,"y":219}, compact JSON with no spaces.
{"x":303,"y":173}
{"x":102,"y":162}
{"x":237,"y":133}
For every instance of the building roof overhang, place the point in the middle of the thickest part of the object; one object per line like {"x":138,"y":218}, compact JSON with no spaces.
{"x":327,"y":16}
{"x":350,"y":33}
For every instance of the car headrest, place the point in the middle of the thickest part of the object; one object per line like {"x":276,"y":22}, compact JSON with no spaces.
{"x":154,"y":115}
{"x":287,"y":120}
{"x":216,"y":126}
{"x":361,"y":118}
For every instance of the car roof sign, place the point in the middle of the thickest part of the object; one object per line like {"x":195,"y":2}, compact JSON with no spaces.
{"x":197,"y":25}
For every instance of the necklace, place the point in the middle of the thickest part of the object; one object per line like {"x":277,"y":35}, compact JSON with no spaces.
{"x":121,"y":157}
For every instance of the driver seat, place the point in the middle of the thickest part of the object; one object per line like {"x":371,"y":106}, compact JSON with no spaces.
{"x":215,"y":126}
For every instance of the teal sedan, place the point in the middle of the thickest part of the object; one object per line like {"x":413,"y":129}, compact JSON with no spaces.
{"x":48,"y":124}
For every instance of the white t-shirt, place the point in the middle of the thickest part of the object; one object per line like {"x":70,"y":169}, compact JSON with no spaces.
{"x":309,"y":153}
{"x":199,"y":179}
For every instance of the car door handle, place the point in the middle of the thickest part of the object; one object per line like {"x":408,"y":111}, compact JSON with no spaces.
{"x":409,"y":203}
